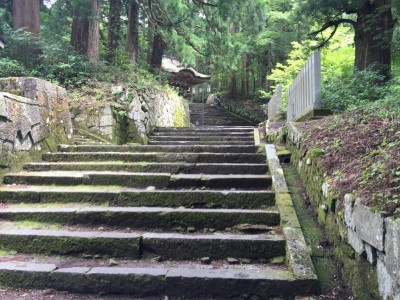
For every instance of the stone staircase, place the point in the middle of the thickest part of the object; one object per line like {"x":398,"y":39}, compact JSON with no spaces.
{"x":214,"y":116}
{"x":193,"y":214}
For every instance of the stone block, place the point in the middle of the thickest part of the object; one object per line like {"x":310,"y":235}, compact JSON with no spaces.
{"x":371,"y":253}
{"x":392,"y":251}
{"x":355,"y":242}
{"x":369,"y":225}
{"x":348,"y":211}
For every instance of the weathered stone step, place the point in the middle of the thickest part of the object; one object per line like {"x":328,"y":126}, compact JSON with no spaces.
{"x":206,"y":133}
{"x":173,"y":168}
{"x":161,"y":148}
{"x":119,"y":196}
{"x":200,"y":138}
{"x":138,"y":180}
{"x":151,"y":142}
{"x":141,"y":180}
{"x":241,"y":182}
{"x":141,"y":217}
{"x":229,"y":129}
{"x":176,"y":281}
{"x":134,"y":245}
{"x":190,"y":157}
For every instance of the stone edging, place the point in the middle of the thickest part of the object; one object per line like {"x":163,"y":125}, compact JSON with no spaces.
{"x":297,"y":251}
{"x":374,"y":236}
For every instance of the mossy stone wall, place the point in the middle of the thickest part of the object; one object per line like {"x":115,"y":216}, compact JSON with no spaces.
{"x":34,"y":118}
{"x":360,"y":275}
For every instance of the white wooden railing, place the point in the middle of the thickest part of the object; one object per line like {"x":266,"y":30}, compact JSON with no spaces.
{"x":275,"y":104}
{"x":304,"y":95}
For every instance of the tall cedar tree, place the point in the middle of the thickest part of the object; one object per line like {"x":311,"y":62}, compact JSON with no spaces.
{"x":373,"y":26}
{"x":26,"y":14}
{"x":132,"y":35}
{"x":85,"y":34}
{"x":114,"y":25}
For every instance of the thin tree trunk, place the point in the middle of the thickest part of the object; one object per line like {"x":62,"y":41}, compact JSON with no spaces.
{"x":233,"y":85}
{"x":150,"y":38}
{"x":245,"y":75}
{"x":132,"y":36}
{"x":26,"y":14}
{"x":157,"y":53}
{"x":373,"y":37}
{"x":114,"y":25}
{"x":93,"y":52}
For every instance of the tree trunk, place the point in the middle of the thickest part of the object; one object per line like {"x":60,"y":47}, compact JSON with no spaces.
{"x":245,"y":75}
{"x":80,"y":33}
{"x":150,"y":38}
{"x":132,"y":36}
{"x":93,"y":52}
{"x":157,"y":53}
{"x":232,"y":85}
{"x":26,"y":14}
{"x":373,"y":37}
{"x":114,"y":25}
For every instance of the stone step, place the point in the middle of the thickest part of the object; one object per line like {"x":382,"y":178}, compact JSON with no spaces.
{"x":200,"y":138}
{"x":206,"y":133}
{"x":141,"y":180}
{"x":173,"y":168}
{"x":160,"y":218}
{"x":204,"y":157}
{"x":183,"y":281}
{"x":161,"y":148}
{"x":134,"y":245}
{"x":122,"y":196}
{"x":248,"y":129}
{"x":204,"y":143}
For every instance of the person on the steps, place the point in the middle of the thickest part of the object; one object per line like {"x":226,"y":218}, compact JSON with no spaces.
{"x":217,"y":101}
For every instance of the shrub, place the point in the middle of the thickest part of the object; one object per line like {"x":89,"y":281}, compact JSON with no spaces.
{"x":358,"y":90}
{"x":11,"y":68}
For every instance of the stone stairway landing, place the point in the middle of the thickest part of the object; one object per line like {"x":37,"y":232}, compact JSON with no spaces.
{"x":194,"y":214}
{"x":214,"y":116}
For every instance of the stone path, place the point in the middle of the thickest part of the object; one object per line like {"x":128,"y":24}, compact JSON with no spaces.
{"x":183,"y":217}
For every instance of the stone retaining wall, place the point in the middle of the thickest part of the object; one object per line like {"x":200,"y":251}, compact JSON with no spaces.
{"x":34,"y":116}
{"x":366,"y":243}
{"x":135,"y":114}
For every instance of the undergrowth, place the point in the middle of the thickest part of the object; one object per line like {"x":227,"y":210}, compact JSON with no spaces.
{"x":360,"y":151}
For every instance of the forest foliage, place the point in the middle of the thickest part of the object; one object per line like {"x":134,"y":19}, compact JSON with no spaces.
{"x":248,"y":47}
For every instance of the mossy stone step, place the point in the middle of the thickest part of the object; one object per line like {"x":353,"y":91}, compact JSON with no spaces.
{"x":177,"y":246}
{"x":141,"y":180}
{"x":173,"y":130}
{"x":206,"y":133}
{"x":119,"y":196}
{"x":160,"y":148}
{"x":62,"y":242}
{"x":173,"y":168}
{"x":200,"y":138}
{"x":152,"y":142}
{"x":156,"y":157}
{"x":142,"y":217}
{"x":240,"y":182}
{"x":133,"y":245}
{"x":179,"y":281}
{"x":137,"y":180}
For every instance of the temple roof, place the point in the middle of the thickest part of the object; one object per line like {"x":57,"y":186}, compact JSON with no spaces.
{"x":181,"y":76}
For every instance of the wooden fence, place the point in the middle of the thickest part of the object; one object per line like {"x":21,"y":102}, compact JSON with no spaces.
{"x":304,"y":95}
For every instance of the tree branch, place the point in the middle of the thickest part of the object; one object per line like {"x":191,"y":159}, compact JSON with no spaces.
{"x":202,"y":3}
{"x":333,"y":23}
